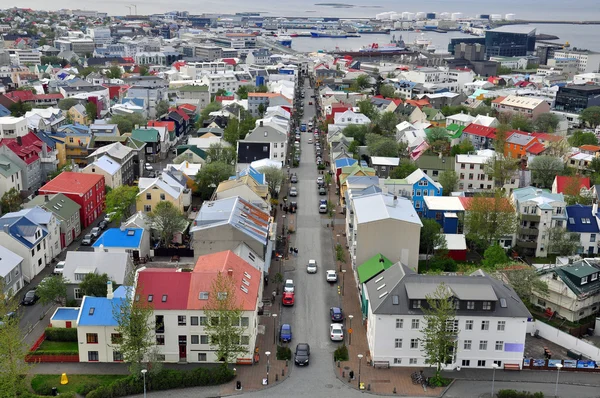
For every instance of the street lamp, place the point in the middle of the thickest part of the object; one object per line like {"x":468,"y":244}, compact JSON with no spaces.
{"x":360,"y":357}
{"x":494,"y":367}
{"x":343,"y":280}
{"x":350,"y":330}
{"x":144,"y":371}
{"x":268,"y":353}
{"x":274,"y":328}
{"x":558,"y":367}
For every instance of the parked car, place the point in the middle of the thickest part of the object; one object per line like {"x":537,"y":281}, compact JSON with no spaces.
{"x":293,"y":207}
{"x":87,"y":240}
{"x":294,"y":179}
{"x":320,"y":180}
{"x":108,"y":217}
{"x":59,"y":268}
{"x":7,"y":317}
{"x":148,"y":167}
{"x":322,"y":208}
{"x":322,"y":191}
{"x":310,"y":102}
{"x":310,"y":140}
{"x":30,"y":298}
{"x":336,"y":332}
{"x":331,"y":276}
{"x":293,"y":191}
{"x":288,"y":287}
{"x":287,"y":298}
{"x":336,"y":314}
{"x":285,"y":333}
{"x":302,"y":354}
{"x":103,"y":224}
{"x":95,"y":232}
{"x":311,"y":268}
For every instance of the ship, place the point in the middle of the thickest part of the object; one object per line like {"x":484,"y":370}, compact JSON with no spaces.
{"x":329,"y":33}
{"x":393,"y":46}
{"x":284,"y":40}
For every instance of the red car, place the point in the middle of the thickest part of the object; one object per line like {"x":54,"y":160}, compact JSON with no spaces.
{"x":287,"y":298}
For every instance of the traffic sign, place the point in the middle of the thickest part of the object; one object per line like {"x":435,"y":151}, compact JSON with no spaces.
{"x":350,"y":330}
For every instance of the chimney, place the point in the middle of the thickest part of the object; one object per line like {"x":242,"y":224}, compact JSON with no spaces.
{"x":19,"y":141}
{"x":395,"y":200}
{"x":109,"y":290}
{"x":46,"y":198}
{"x":230,"y":272}
{"x":538,"y":192}
{"x":381,"y":260}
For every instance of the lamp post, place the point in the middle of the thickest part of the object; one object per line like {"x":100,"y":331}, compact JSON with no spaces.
{"x":343,"y":280}
{"x":494,"y":367}
{"x":350,"y":329}
{"x":144,"y":371}
{"x":274,"y":328}
{"x":337,"y":239}
{"x":268,"y":353}
{"x":558,"y":367}
{"x":360,"y":357}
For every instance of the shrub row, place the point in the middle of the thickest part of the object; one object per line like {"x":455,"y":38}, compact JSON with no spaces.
{"x":61,"y":352}
{"x":519,"y":394}
{"x":61,"y":334}
{"x":44,"y":391}
{"x":166,"y":379}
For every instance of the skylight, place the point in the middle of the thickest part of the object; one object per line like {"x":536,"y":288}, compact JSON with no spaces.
{"x":92,"y":309}
{"x":244,"y":289}
{"x":379,"y":279}
{"x":381,"y":287}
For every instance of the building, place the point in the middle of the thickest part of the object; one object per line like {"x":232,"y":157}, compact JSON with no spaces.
{"x":200,"y":93}
{"x":384,"y":165}
{"x":123,"y":155}
{"x":490,"y":322}
{"x":135,"y":242}
{"x":587,"y":61}
{"x":422,"y":185}
{"x":26,"y":153}
{"x":434,"y":166}
{"x":11,"y":175}
{"x":151,"y":137}
{"x":66,"y":212}
{"x":208,"y":53}
{"x":582,"y":221}
{"x":221,"y":81}
{"x":517,"y":144}
{"x":165,"y":187}
{"x":264,"y":142}
{"x":87,"y":190}
{"x":471,"y":171}
{"x":82,"y":46}
{"x":246,"y":187}
{"x":576,"y":98}
{"x":255,"y":100}
{"x":12,"y":127}
{"x":571,"y":185}
{"x":510,"y":41}
{"x":107,"y":167}
{"x":528,"y":107}
{"x":11,"y":272}
{"x":481,"y":137}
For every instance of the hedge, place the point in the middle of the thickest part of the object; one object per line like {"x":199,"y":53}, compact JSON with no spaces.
{"x":61,"y":352}
{"x":519,"y":394}
{"x":341,"y":353}
{"x":166,"y":379}
{"x":284,"y":353}
{"x":61,"y":334}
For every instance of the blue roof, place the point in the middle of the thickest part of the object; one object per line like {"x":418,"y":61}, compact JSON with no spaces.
{"x":581,"y":219}
{"x":74,"y":129}
{"x":136,"y":101}
{"x":102,"y":313}
{"x":255,"y":174}
{"x":65,"y":314}
{"x":42,"y":135}
{"x":114,"y":237}
{"x":343,"y":162}
{"x":4,"y":111}
{"x":22,"y":226}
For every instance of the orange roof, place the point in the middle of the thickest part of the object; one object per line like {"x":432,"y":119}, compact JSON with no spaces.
{"x":170,"y":125}
{"x":536,"y":148}
{"x":547,"y":137}
{"x":498,"y":100}
{"x":69,"y":182}
{"x":590,"y":148}
{"x":268,"y":95}
{"x":503,"y":205}
{"x":419,"y":103}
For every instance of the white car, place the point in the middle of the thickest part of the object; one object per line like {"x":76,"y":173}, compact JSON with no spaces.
{"x":336,"y":332}
{"x":310,"y":140}
{"x":320,"y":180}
{"x":331,"y":276}
{"x":288,"y":287}
{"x":148,"y":167}
{"x":59,"y":268}
{"x":293,"y":191}
{"x":311,"y":268}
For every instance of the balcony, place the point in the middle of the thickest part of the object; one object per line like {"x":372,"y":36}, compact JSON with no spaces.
{"x":527,"y":244}
{"x":530,"y":217}
{"x":528,"y":231}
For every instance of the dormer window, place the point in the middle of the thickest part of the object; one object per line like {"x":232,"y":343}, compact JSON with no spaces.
{"x":584,"y":280}
{"x":416,"y":304}
{"x":470,"y":305}
{"x":487,"y":305}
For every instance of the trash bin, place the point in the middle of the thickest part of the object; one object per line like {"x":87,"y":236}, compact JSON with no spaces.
{"x":54,"y":391}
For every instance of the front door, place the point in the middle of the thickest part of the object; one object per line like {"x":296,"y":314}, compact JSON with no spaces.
{"x":68,"y":325}
{"x":182,"y":348}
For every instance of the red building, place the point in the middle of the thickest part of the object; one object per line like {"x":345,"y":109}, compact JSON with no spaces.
{"x":87,"y":190}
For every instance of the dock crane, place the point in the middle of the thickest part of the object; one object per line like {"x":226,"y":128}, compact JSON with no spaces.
{"x":135,"y":7}
{"x":129,"y":8}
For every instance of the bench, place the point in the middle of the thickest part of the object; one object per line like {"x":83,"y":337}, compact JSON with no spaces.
{"x":381,"y":364}
{"x":512,"y":366}
{"x":244,"y":361}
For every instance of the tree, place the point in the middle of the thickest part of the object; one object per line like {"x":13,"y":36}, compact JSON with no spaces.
{"x":404,"y":169}
{"x":501,"y":135}
{"x":52,"y":289}
{"x":489,"y":219}
{"x":562,"y":242}
{"x":11,"y":201}
{"x":463,"y":148}
{"x":547,"y":122}
{"x":65,"y":167}
{"x":387,"y":122}
{"x":217,"y":152}
{"x":114,"y":72}
{"x":501,"y":168}
{"x":494,"y":255}
{"x":525,"y":280}
{"x":450,"y":110}
{"x":67,"y":103}
{"x":387,"y":91}
{"x":483,"y":110}
{"x":440,"y":331}
{"x":437,"y":134}
{"x":360,"y":83}
{"x":91,"y":110}
{"x":580,"y":138}
{"x":209,"y":177}
{"x":591,"y":116}
{"x":26,"y":88}
{"x":231,"y":133}
{"x":212,"y":107}
{"x":262,"y":89}
{"x":261,"y":109}
{"x":520,"y":122}
{"x":559,"y":149}
{"x":503,"y":70}
{"x":144,"y":70}
{"x":166,"y":219}
{"x":382,"y":146}
{"x":574,"y":194}
{"x":225,"y":326}
{"x":135,"y":328}
{"x":94,"y":285}
{"x":19,"y":108}
{"x":449,"y":180}
{"x":243,"y":91}
{"x":356,"y":131}
{"x":162,"y":107}
{"x":126,"y":123}
{"x":368,"y":109}
{"x":544,"y":169}
{"x":274,"y":176}
{"x":120,"y":201}
{"x":431,"y":238}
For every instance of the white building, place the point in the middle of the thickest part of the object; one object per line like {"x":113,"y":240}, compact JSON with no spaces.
{"x":195,"y":70}
{"x":25,"y":56}
{"x":11,"y":272}
{"x":100,"y":35}
{"x":490,"y":322}
{"x":109,"y":168}
{"x":350,"y":117}
{"x":587,"y":61}
{"x":471,"y":171}
{"x":13,"y":127}
{"x":585,"y":78}
{"x":222,"y":80}
{"x":11,"y":175}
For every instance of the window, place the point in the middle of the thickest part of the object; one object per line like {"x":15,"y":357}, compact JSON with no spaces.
{"x":117,"y":356}
{"x":91,"y":338}
{"x":201,"y":357}
{"x":435,"y":173}
{"x":40,"y":261}
{"x":469,"y":325}
{"x":487,"y":305}
{"x":481,"y":363}
{"x":93,"y":356}
{"x":147,"y":208}
{"x":501,"y":326}
{"x":416,"y":304}
{"x":499,"y":345}
{"x":245,"y":321}
{"x":414,"y":324}
{"x":204,"y":339}
{"x":584,"y":280}
{"x":150,"y":298}
{"x":115,"y":338}
{"x":399,"y":323}
{"x":39,"y":247}
{"x":594,"y":277}
{"x":413,"y":361}
{"x":159,"y":324}
{"x":77,"y":293}
{"x":592,"y":237}
{"x":397,"y":361}
{"x":160,"y":339}
{"x":485,"y":325}
{"x":202,"y":320}
{"x":466,"y":362}
{"x":181,"y":320}
{"x":467,"y":344}
{"x":398,"y":343}
{"x":470,"y":305}
{"x":414,"y":344}
{"x":483,"y":345}
{"x":164,"y":298}
{"x":148,"y":196}
{"x":194,"y":320}
{"x":194,"y":339}
{"x":541,"y":302}
{"x":162,"y":196}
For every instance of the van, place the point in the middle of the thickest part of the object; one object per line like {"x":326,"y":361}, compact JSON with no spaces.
{"x":310,"y":125}
{"x":322,"y":208}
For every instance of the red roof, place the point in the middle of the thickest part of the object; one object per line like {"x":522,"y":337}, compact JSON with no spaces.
{"x":590,"y":148}
{"x":564,"y":182}
{"x":182,"y":113}
{"x":29,"y":150}
{"x":221,"y":98}
{"x":188,"y":107}
{"x":169,"y":288}
{"x":178,"y":64}
{"x":418,"y":103}
{"x":169,"y":124}
{"x":498,"y":100}
{"x":481,"y":131}
{"x":29,"y":96}
{"x":394,"y":100}
{"x":73,"y":183}
{"x":229,"y":61}
{"x":547,"y":137}
{"x":536,"y":148}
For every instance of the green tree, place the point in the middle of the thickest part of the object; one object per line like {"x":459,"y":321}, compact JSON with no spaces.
{"x":211,"y":175}
{"x":431,"y":238}
{"x":437,"y":134}
{"x":580,"y":138}
{"x":382,"y":146}
{"x":126,"y":123}
{"x":120,"y":201}
{"x":454,"y":110}
{"x":501,"y":135}
{"x":387,"y":91}
{"x":65,"y":167}
{"x":262,"y":89}
{"x":225,"y":326}
{"x":52,"y":289}
{"x":94,"y":285}
{"x":11,"y":201}
{"x":463,"y":148}
{"x":449,"y":180}
{"x":501,"y":168}
{"x":144,"y":70}
{"x":274,"y":176}
{"x":387,"y":122}
{"x":360,"y":83}
{"x":547,"y":122}
{"x":218,"y":152}
{"x":440,"y":331}
{"x":19,"y":108}
{"x":261,"y":109}
{"x":212,"y":107}
{"x":356,"y":131}
{"x":493,"y":256}
{"x":520,"y":122}
{"x":368,"y":109}
{"x":489,"y":219}
{"x":485,"y":110}
{"x":26,"y":88}
{"x":114,"y":72}
{"x":231,"y":134}
{"x":166,"y":220}
{"x":562,"y":242}
{"x":67,"y":103}
{"x":404,"y":169}
{"x":91,"y":110}
{"x":591,"y":116}
{"x":524,"y":281}
{"x":544,"y":169}
{"x":503,"y":70}
{"x":244,"y":90}
{"x":162,"y":107}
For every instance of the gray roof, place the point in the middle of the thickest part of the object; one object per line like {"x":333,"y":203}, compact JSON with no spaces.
{"x":8,"y":261}
{"x":59,"y":204}
{"x":110,"y":263}
{"x":7,"y":167}
{"x":401,"y":283}
{"x":265,"y":134}
{"x":519,"y":139}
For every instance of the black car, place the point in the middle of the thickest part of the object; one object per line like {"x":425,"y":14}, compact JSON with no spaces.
{"x":30,"y":298}
{"x":322,"y":191}
{"x":103,"y":224}
{"x":302,"y":354}
{"x":293,"y":207}
{"x":336,"y":314}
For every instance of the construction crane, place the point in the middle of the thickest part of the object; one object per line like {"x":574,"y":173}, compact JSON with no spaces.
{"x":129,"y":8}
{"x":135,"y":7}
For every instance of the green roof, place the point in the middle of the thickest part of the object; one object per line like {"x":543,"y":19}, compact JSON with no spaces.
{"x":430,"y":112}
{"x":372,"y":267}
{"x":455,"y":131}
{"x":7,"y":167}
{"x":193,"y":148}
{"x":434,"y":162}
{"x":58,"y":204}
{"x":190,"y":88}
{"x":146,"y":135}
{"x":135,"y":144}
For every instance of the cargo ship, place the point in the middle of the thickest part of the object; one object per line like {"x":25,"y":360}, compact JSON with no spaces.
{"x":284,"y":40}
{"x":329,"y":33}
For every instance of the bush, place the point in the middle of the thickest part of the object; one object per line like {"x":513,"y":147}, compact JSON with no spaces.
{"x":61,"y":334}
{"x":44,"y":352}
{"x":284,"y":353}
{"x":519,"y":394}
{"x":341,"y":353}
{"x":87,"y":387}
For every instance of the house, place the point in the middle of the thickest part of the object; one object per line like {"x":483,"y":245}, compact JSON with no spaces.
{"x":571,"y":185}
{"x":517,"y":144}
{"x":490,"y":322}
{"x":27,"y":153}
{"x":446,"y":210}
{"x":224,"y":224}
{"x":373,"y":223}
{"x":48,"y":222}
{"x":191,"y":154}
{"x":350,"y":117}
{"x":66,"y":212}
{"x":372,"y":267}
{"x":433,"y":165}
{"x":78,"y":114}
{"x":481,"y":137}
{"x":501,"y":205}
{"x":153,"y":141}
{"x":164,"y":187}
{"x":107,"y":167}
{"x":455,"y":246}
{"x":581,"y":162}
{"x":264,"y":142}
{"x":356,"y":170}
{"x":538,"y":210}
{"x":117,"y":265}
{"x":384,"y":165}
{"x":246,"y":187}
{"x":529,"y":107}
{"x":13,"y":127}
{"x":582,"y":220}
{"x":11,"y":272}
{"x":472,"y":172}
{"x":460,"y":119}
{"x":133,"y":241}
{"x":11,"y":175}
{"x":434,"y":116}
{"x":87,"y":190}
{"x":122,"y":155}
{"x":422,"y":185}
{"x":573,"y":290}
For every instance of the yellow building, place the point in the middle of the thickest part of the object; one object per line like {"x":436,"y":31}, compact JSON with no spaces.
{"x":78,"y":114}
{"x":352,"y":171}
{"x":156,"y":190}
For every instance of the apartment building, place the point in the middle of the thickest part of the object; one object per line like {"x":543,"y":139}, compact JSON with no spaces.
{"x":526,"y":106}
{"x":471,"y":172}
{"x":221,"y":81}
{"x":12,"y":127}
{"x":587,"y":61}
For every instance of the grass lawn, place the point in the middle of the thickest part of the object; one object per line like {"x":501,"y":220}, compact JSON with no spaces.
{"x":42,"y":384}
{"x":59,"y":346}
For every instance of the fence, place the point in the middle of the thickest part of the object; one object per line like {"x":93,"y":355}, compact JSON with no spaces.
{"x":567,"y":341}
{"x":170,"y":252}
{"x":32,"y":357}
{"x":567,"y":364}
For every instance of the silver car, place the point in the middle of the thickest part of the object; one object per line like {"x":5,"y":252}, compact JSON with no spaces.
{"x":288,"y":287}
{"x":311,"y":268}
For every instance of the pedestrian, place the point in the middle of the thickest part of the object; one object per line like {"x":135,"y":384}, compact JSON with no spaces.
{"x":280,"y":206}
{"x":274,"y":295}
{"x":291,"y":249}
{"x":296,"y":251}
